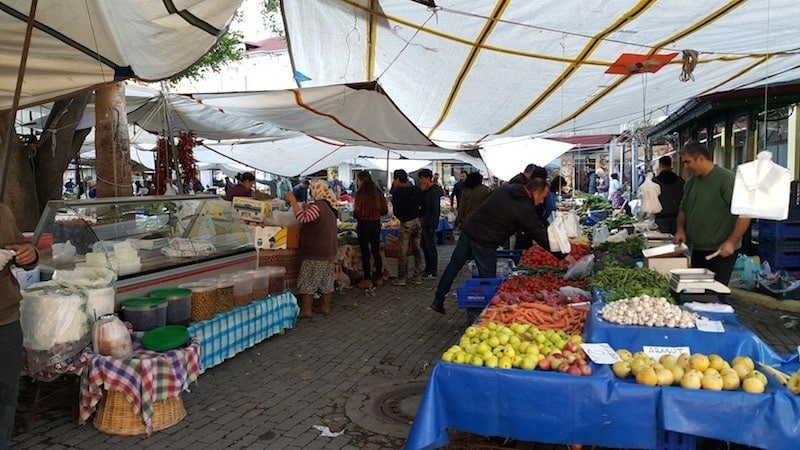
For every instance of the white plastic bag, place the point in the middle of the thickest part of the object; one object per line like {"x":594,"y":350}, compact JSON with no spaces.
{"x":580,"y":269}
{"x":648,"y":193}
{"x":557,"y":236}
{"x":570,"y":221}
{"x":110,"y":337}
{"x":51,"y":316}
{"x":600,"y":234}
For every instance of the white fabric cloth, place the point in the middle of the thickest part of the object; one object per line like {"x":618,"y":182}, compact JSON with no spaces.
{"x":614,"y":186}
{"x":648,"y":193}
{"x":761,"y":189}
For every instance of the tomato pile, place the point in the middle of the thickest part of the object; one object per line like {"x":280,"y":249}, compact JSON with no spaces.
{"x":536,"y":283}
{"x":537,"y":256}
{"x":550,"y":298}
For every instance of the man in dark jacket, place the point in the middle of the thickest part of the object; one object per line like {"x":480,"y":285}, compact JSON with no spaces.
{"x":458,"y":189}
{"x":509,"y":208}
{"x":429,"y":220}
{"x":524,"y":176}
{"x":670,"y":197}
{"x":406,"y":203}
{"x":523,"y":240}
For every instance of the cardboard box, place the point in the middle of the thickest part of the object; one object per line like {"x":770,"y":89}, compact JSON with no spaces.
{"x":251,"y":210}
{"x":663,"y":264}
{"x":276,"y":238}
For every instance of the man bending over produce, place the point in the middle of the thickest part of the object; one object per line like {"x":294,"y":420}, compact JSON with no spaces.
{"x":510,"y":208}
{"x":705,"y":221}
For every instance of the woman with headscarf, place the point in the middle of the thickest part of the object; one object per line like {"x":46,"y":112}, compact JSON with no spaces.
{"x":318,"y":247}
{"x":370,"y":205}
{"x":473,"y":194}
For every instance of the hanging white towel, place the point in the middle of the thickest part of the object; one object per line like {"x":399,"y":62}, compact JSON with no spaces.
{"x":761,"y":189}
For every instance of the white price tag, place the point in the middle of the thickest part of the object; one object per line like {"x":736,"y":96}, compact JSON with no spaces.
{"x":656,"y":352}
{"x":601,"y":353}
{"x":710,"y":326}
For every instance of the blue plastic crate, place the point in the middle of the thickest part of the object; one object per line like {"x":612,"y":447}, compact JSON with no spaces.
{"x":475,"y":296}
{"x":514,"y":255}
{"x":494,"y":282}
{"x":776,"y":231}
{"x":670,"y":440}
{"x":780,"y":259}
{"x":779,"y":245}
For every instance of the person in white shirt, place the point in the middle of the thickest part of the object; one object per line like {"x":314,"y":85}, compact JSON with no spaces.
{"x":615,"y":192}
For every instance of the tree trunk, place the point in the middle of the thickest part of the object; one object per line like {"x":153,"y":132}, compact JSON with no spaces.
{"x":112,"y":144}
{"x":35,"y":170}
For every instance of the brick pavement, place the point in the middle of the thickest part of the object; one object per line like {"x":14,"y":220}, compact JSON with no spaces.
{"x":271,"y":395}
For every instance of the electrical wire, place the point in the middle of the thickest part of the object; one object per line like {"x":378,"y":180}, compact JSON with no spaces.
{"x":416,"y":32}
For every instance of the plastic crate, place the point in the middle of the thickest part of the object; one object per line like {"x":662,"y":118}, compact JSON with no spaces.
{"x":782,"y":259}
{"x":778,"y":246}
{"x":777,"y":231}
{"x":475,"y":296}
{"x":493,"y":282}
{"x":514,"y":255}
{"x":671,"y":440}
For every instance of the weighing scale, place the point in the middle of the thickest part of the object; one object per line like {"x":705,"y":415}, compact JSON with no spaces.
{"x":696,"y":285}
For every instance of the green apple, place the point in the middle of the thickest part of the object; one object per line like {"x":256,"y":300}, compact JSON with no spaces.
{"x":477,"y":361}
{"x":528,"y":364}
{"x":505,"y":363}
{"x":447,"y":357}
{"x":471,"y":332}
{"x":491,"y":326}
{"x":532,"y":350}
{"x":460,"y":358}
{"x":516,"y":361}
{"x":494,"y":342}
{"x":509,"y":351}
{"x":540,"y":338}
{"x":483,"y":347}
{"x":490,"y":362}
{"x":504,"y":338}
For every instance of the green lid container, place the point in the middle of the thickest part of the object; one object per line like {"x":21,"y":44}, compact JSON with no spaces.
{"x":172,"y":293}
{"x":165,"y":338}
{"x":144,"y":304}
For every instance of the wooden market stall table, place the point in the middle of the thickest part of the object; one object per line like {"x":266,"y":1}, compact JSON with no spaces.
{"x":603,"y":410}
{"x":144,"y":378}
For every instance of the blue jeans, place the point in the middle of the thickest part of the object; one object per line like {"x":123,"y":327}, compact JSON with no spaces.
{"x":466,"y":249}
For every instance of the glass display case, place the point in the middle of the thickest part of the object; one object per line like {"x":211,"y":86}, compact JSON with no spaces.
{"x":140,"y":235}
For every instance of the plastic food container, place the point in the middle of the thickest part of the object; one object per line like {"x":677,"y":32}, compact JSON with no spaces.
{"x":145,"y":313}
{"x":179,"y":304}
{"x":260,"y":284}
{"x":243,"y":289}
{"x":204,"y":300}
{"x":225,"y":286}
{"x":277,"y":275}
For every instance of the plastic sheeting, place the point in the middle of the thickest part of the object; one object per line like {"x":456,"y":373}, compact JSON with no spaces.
{"x":603,"y":410}
{"x":468,"y":69}
{"x":507,"y":157}
{"x":80,"y":44}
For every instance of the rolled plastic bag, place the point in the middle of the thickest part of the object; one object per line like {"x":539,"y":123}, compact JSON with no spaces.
{"x":580,"y":269}
{"x":52,"y":316}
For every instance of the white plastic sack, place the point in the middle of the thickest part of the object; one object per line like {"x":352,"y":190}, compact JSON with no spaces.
{"x":761,"y":189}
{"x":648,"y":193}
{"x":52,"y":316}
{"x":86,"y":277}
{"x":63,"y":253}
{"x":570,"y":221}
{"x":99,"y":302}
{"x":557,"y":236}
{"x":600,"y":234}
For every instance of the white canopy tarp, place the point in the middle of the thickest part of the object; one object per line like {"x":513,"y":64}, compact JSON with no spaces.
{"x":409,"y":165}
{"x":472,"y":69}
{"x":507,"y":157}
{"x":81,"y":44}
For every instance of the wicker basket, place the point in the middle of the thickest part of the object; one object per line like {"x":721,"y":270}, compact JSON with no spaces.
{"x":115,"y":415}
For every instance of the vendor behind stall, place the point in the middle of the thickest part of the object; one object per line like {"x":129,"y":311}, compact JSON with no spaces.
{"x":318,"y":247}
{"x":705,"y":221}
{"x":10,"y":331}
{"x":244,"y":189}
{"x":509,"y":208}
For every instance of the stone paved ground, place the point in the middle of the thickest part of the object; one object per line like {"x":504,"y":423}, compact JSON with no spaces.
{"x":316,"y":374}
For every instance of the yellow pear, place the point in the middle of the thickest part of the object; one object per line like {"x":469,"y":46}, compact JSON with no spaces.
{"x":691,"y":381}
{"x":745,"y":360}
{"x":730,"y":379}
{"x":711,"y":371}
{"x":753,"y":385}
{"x":624,"y":354}
{"x":668,"y":361}
{"x":665,"y":377}
{"x":647,"y":377}
{"x":741,"y":369}
{"x":716,"y":362}
{"x":756,"y":374}
{"x":677,"y":374}
{"x":683,"y":359}
{"x":699,"y":361}
{"x":621,"y":369}
{"x":712,"y":381}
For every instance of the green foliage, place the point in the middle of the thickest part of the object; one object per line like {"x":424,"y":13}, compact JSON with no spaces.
{"x":227,"y":50}
{"x":271,"y":15}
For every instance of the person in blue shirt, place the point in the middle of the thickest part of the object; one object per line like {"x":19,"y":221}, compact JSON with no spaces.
{"x":300,"y":191}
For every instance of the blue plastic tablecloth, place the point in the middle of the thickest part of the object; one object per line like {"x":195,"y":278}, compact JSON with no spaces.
{"x":735,"y":341}
{"x":534,"y":406}
{"x":603,"y":410}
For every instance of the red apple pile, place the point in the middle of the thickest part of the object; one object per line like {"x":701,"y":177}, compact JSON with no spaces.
{"x":571,"y":360}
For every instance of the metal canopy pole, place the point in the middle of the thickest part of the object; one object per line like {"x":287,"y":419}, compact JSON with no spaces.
{"x":15,"y":103}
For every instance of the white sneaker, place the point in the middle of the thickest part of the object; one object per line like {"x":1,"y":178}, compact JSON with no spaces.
{"x":399,"y":282}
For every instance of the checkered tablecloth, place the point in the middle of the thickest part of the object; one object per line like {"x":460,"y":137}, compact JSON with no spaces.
{"x":232,"y":332}
{"x":144,"y":378}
